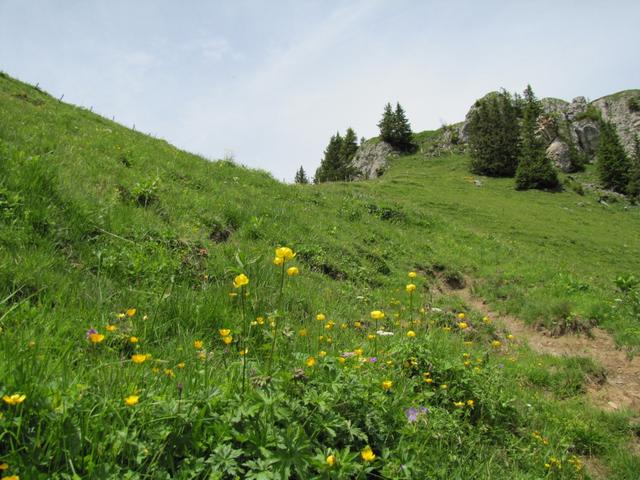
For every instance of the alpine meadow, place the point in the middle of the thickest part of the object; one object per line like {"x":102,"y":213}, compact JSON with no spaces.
{"x":461,"y":303}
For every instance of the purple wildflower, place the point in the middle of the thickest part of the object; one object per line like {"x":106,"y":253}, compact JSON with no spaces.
{"x":413,"y":413}
{"x":373,"y":359}
{"x":91,"y":331}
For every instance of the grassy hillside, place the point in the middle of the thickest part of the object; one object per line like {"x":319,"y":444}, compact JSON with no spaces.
{"x":97,"y":220}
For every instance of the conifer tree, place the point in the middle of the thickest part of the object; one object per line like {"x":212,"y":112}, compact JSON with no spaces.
{"x":386,"y":124}
{"x":534,"y":170}
{"x":611,"y":160}
{"x":395,"y":128}
{"x":348,"y":149}
{"x":301,"y":176}
{"x":633,"y":187}
{"x":403,"y":136}
{"x":493,"y":136}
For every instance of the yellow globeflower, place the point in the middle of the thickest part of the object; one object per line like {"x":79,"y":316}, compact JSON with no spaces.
{"x":461,"y":316}
{"x":410,"y":288}
{"x":138,"y":358}
{"x":331,"y":460}
{"x":11,"y":477}
{"x":278,"y":261}
{"x":197,"y":344}
{"x":4,"y":466}
{"x":486,"y":320}
{"x":224,"y":332}
{"x":311,"y":361}
{"x":387,"y":385}
{"x":371,"y":336}
{"x":131,"y":312}
{"x":303,"y":332}
{"x":342,"y":359}
{"x":496,"y":344}
{"x":411,"y":334}
{"x":15,"y":399}
{"x":463,"y":325}
{"x":181,"y":365}
{"x":459,"y":404}
{"x":285,"y":253}
{"x":412,"y":274}
{"x":471,"y":403}
{"x":358,"y":351}
{"x":96,"y":337}
{"x":329,"y":325}
{"x":112,"y":328}
{"x":357,"y":324}
{"x":133,"y":339}
{"x":260,"y":320}
{"x":227,"y":339}
{"x":322,"y":354}
{"x":240,"y":280}
{"x":320,"y":317}
{"x":293,"y":271}
{"x":377,"y":315}
{"x":510,"y":337}
{"x":367,"y":454}
{"x":131,"y":400}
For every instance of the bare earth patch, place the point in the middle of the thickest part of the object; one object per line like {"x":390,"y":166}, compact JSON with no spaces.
{"x":621,"y":388}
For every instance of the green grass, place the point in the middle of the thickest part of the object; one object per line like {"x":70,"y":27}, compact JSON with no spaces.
{"x":96,"y":219}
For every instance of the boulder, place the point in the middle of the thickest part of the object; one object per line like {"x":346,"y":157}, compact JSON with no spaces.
{"x":586,"y":135}
{"x":558,"y":152}
{"x":371,"y":159}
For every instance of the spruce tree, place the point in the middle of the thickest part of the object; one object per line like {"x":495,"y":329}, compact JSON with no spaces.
{"x":611,"y":161}
{"x":386,"y":124}
{"x":633,"y":186}
{"x":402,"y":134}
{"x":301,"y":176}
{"x":534,"y":170}
{"x":348,"y":149}
{"x":493,"y":136}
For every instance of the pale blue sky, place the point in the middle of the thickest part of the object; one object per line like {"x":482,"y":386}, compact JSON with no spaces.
{"x":271,"y":81}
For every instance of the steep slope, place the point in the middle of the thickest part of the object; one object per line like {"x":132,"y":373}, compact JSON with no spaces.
{"x":96,"y":220}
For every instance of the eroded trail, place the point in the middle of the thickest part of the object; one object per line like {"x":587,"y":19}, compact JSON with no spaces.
{"x":620,"y":390}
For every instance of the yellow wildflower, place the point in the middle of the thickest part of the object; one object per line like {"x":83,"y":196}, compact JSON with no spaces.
{"x":224,"y":332}
{"x":496,"y":344}
{"x":459,"y":404}
{"x":371,"y":336}
{"x":344,"y":326}
{"x":331,"y":460}
{"x":412,"y":274}
{"x":358,"y":351}
{"x":444,"y":386}
{"x":463,"y":325}
{"x":146,"y":317}
{"x":322,"y":354}
{"x":112,"y":328}
{"x":240,"y":281}
{"x":131,"y":312}
{"x":428,"y":380}
{"x":293,"y":271}
{"x":96,"y":337}
{"x":4,"y":466}
{"x":131,"y":400}
{"x":357,"y":324}
{"x":461,"y":316}
{"x":120,"y":315}
{"x":471,"y":403}
{"x":367,"y":454}
{"x":260,"y":320}
{"x":227,"y":339}
{"x":11,"y":477}
{"x":410,"y":288}
{"x":486,"y":320}
{"x":133,"y":339}
{"x":303,"y":332}
{"x":138,"y":358}
{"x":278,"y":261}
{"x":387,"y":385}
{"x":329,"y":325}
{"x":510,"y":337}
{"x":169,"y":373}
{"x":243,"y":352}
{"x":320,"y":317}
{"x":342,"y":359}
{"x":285,"y":253}
{"x":197,"y":344}
{"x":311,"y":361}
{"x":15,"y":399}
{"x":377,"y":315}
{"x":181,"y":365}
{"x":411,"y":334}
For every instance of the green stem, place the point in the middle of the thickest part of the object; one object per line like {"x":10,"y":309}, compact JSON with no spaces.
{"x":244,"y":341}
{"x":273,"y":343}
